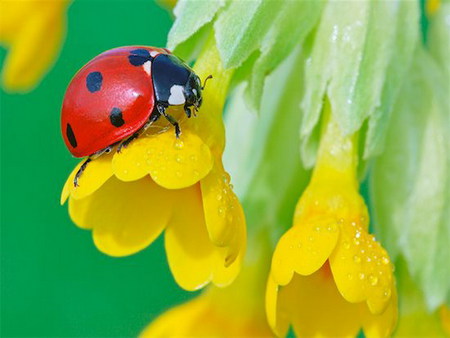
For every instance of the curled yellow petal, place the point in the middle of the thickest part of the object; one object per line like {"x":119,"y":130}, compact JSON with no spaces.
{"x":304,"y":248}
{"x":172,"y":163}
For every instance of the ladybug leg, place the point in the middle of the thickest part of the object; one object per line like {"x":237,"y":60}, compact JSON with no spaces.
{"x":80,"y":172}
{"x":162,"y":110}
{"x":125,"y":143}
{"x":188,"y":111}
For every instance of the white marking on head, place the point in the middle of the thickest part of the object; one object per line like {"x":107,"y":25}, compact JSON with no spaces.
{"x":176,"y":95}
{"x":147,"y":66}
{"x":153,"y":53}
{"x":194,"y":91}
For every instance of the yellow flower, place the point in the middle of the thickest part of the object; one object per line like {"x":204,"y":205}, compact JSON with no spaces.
{"x":329,"y":277}
{"x":33,"y":31}
{"x":161,"y":183}
{"x":234,"y":311}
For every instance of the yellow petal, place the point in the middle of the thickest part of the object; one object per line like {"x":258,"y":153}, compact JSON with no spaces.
{"x":304,"y":248}
{"x":35,"y":44}
{"x":383,"y":324}
{"x":361,"y":267}
{"x":277,"y":316}
{"x":96,"y":173}
{"x":223,"y":213}
{"x":179,"y":321}
{"x":316,"y":307}
{"x":68,"y":186}
{"x":125,"y":217}
{"x":172,"y":163}
{"x":189,"y":251}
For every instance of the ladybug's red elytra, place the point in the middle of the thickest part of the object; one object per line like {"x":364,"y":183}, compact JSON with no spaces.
{"x":119,"y":93}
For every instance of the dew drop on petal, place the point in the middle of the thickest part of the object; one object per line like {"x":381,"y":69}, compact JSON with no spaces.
{"x":193,"y":158}
{"x":361,"y":275}
{"x":387,"y":293}
{"x":385,"y":260}
{"x":178,"y":144}
{"x":349,"y":276}
{"x":179,"y":159}
{"x":373,"y":280}
{"x":356,"y":259}
{"x":317,"y":228}
{"x":311,"y":238}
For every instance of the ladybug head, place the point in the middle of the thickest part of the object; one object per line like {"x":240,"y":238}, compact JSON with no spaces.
{"x":193,"y":91}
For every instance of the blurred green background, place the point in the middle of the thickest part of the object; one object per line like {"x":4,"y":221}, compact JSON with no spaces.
{"x":54,"y":282}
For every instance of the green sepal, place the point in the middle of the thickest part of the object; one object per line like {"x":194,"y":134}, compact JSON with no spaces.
{"x":350,"y":63}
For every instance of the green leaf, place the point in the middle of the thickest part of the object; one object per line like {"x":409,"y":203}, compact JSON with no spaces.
{"x":288,"y":30}
{"x":190,"y":17}
{"x":411,"y":180}
{"x":241,"y":27}
{"x":406,"y":33}
{"x":353,"y":48}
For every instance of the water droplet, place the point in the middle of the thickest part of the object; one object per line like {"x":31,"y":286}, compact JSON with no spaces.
{"x":221,"y":210}
{"x":373,"y":280}
{"x":332,"y":227}
{"x":138,"y":164}
{"x":311,"y":238}
{"x":387,"y":293}
{"x":368,"y":259}
{"x":361,"y":275}
{"x":178,"y":144}
{"x":385,"y":260}
{"x":353,"y":223}
{"x":218,"y":197}
{"x":341,"y":221}
{"x":193,"y":158}
{"x":349,"y":276}
{"x":149,"y":151}
{"x":317,"y":228}
{"x":226,"y":178}
{"x":356,"y":259}
{"x":355,"y":241}
{"x":231,"y":186}
{"x":179,"y":159}
{"x":358,"y":234}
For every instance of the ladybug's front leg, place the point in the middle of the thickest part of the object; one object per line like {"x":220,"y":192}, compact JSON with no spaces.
{"x":80,"y":172}
{"x":162,"y":110}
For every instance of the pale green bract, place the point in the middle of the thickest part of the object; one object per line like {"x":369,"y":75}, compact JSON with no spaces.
{"x":360,"y":52}
{"x":410,"y":181}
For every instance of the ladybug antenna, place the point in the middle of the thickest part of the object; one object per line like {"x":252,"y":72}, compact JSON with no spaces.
{"x":204,"y":82}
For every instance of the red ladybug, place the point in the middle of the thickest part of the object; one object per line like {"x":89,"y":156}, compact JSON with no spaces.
{"x":119,"y":93}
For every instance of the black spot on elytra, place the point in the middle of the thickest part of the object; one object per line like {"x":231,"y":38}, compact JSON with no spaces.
{"x":71,"y":136}
{"x":116,"y":117}
{"x":94,"y":81}
{"x":138,"y":57}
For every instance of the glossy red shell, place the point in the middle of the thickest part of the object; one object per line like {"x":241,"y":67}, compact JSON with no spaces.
{"x":86,"y":122}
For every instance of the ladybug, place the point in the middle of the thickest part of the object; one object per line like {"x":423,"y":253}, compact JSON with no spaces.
{"x":119,"y":93}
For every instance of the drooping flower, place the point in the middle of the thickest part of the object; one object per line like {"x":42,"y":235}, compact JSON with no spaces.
{"x":33,"y":32}
{"x":234,"y":311}
{"x":329,"y":276}
{"x":162,"y":183}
